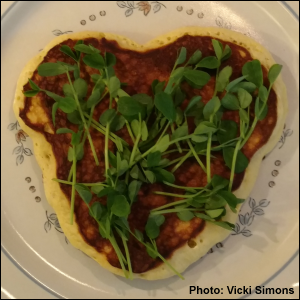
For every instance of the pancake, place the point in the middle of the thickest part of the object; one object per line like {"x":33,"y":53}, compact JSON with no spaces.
{"x":181,"y":243}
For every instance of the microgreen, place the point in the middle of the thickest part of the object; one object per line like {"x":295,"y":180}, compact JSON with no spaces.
{"x":155,"y":124}
{"x":51,"y":69}
{"x":253,"y":71}
{"x":209,"y":62}
{"x":165,"y":105}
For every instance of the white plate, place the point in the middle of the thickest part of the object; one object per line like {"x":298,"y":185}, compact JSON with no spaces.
{"x":30,"y":232}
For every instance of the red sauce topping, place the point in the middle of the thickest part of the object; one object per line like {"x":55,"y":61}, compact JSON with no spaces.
{"x":138,"y":70}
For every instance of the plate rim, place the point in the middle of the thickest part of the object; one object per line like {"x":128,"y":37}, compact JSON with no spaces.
{"x":19,"y":266}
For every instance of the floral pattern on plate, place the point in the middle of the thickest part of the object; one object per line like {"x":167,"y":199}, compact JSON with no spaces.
{"x":144,"y":6}
{"x":20,"y":137}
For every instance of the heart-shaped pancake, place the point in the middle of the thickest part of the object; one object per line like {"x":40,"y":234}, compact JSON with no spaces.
{"x":180,"y":242}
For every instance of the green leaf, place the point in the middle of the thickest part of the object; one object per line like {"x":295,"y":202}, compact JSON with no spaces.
{"x":203,"y":217}
{"x":165,"y":105}
{"x":110,"y":72}
{"x":76,"y":72}
{"x":123,"y":223}
{"x":211,"y":107}
{"x":139,"y":235}
{"x":245,"y":98}
{"x":179,"y":116}
{"x":193,"y":102}
{"x":228,"y":131}
{"x":150,"y":176}
{"x":30,"y":93}
{"x":219,"y":181}
{"x":113,"y":86}
{"x":67,"y":105}
{"x":152,"y":227}
{"x":244,"y":116}
{"x":69,"y":67}
{"x":144,"y":131}
{"x":181,"y":57}
{"x":163,"y":144}
{"x":205,"y":128}
{"x":241,"y":160}
{"x":179,"y":96}
{"x":218,"y":47}
{"x":67,"y":50}
{"x":233,"y":83}
{"x":176,"y":75}
{"x":106,"y":191}
{"x":51,"y":69}
{"x":96,"y":189}
{"x":163,"y":163}
{"x":185,"y":215}
{"x":79,"y":151}
{"x":194,"y":59}
{"x":223,"y":78}
{"x":96,"y":77}
{"x":230,"y":198}
{"x":84,"y":193}
{"x":33,"y":85}
{"x":78,"y":53}
{"x":74,"y":117}
{"x":226,"y":53}
{"x":76,"y":137}
{"x":112,"y":159}
{"x":259,"y":112}
{"x":214,"y":213}
{"x":274,"y":73}
{"x":67,"y":90}
{"x":122,"y":93}
{"x":54,"y":96}
{"x":94,"y":99}
{"x":64,"y":130}
{"x":226,"y":225}
{"x":145,"y":100}
{"x":196,"y":78}
{"x":209,"y":62}
{"x":164,"y":175}
{"x":127,"y":106}
{"x":248,"y":86}
{"x":94,"y":60}
{"x":253,"y":71}
{"x":180,"y":132}
{"x":263,"y":93}
{"x":123,"y":167}
{"x":159,"y":219}
{"x":99,"y":86}
{"x":199,"y":138}
{"x":153,"y":159}
{"x":152,"y":252}
{"x":120,"y":206}
{"x":107,"y":116}
{"x":133,"y":189}
{"x":110,"y":59}
{"x":70,"y":154}
{"x":135,"y":126}
{"x":97,"y":210}
{"x":158,"y":86}
{"x":117,"y":123}
{"x":54,"y":109}
{"x":80,"y":87}
{"x":230,"y":101}
{"x":86,"y":49}
{"x":215,"y":202}
{"x":137,"y":174}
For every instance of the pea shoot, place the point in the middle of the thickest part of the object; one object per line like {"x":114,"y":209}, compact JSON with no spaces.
{"x":148,"y":161}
